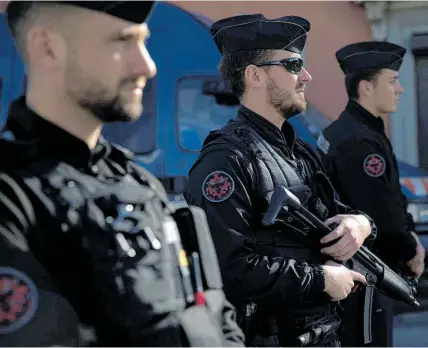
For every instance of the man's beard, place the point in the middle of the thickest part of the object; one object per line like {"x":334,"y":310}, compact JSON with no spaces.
{"x":111,"y":110}
{"x":105,"y":104}
{"x":283,"y":101}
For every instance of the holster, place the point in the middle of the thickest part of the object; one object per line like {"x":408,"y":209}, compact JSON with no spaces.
{"x":260,"y":329}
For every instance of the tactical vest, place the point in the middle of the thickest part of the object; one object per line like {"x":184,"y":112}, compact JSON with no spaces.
{"x":131,"y":238}
{"x":273,"y":170}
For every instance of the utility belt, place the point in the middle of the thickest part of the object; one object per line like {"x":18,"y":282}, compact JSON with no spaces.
{"x":295,"y":329}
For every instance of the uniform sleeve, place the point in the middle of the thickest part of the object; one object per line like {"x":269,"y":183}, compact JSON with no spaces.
{"x":32,"y":312}
{"x":220,"y":183}
{"x":363,"y":176}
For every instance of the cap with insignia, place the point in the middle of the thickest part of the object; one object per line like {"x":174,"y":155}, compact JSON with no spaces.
{"x":248,"y":32}
{"x":131,"y":11}
{"x":361,"y":56}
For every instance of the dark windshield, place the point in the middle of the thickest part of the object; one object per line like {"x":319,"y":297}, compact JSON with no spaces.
{"x":138,"y":136}
{"x":198,"y":113}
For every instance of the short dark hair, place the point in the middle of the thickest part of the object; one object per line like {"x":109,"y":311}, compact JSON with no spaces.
{"x":352,"y":81}
{"x":230,"y":62}
{"x":21,"y":20}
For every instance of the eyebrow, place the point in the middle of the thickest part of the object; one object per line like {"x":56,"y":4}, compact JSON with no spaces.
{"x":140,"y":31}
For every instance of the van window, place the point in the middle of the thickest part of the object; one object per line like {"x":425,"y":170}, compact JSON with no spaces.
{"x":198,"y":113}
{"x":138,"y":136}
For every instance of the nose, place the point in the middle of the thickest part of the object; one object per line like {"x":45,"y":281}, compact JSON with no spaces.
{"x":145,"y":65}
{"x":304,"y":76}
{"x":400,"y":89}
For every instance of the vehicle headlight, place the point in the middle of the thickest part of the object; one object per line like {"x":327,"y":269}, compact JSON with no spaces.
{"x":419,"y":212}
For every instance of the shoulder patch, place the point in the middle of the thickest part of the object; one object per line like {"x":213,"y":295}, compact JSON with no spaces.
{"x":218,"y":186}
{"x":323,"y":144}
{"x":374,"y":165}
{"x":19,"y":300}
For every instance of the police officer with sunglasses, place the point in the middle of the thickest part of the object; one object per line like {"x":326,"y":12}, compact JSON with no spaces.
{"x":281,"y":287}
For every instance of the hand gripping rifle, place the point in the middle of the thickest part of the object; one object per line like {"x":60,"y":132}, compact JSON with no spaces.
{"x":378,"y":275}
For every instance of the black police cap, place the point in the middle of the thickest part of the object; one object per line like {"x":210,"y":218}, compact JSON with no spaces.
{"x":248,"y":32}
{"x":361,"y":56}
{"x":131,"y":11}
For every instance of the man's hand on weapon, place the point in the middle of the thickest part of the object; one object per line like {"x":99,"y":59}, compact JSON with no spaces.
{"x":351,"y":230}
{"x":340,"y":280}
{"x":417,"y":263}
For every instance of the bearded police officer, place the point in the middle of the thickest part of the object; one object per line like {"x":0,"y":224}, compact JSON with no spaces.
{"x":360,"y":161}
{"x":280,"y":286}
{"x":86,"y":235}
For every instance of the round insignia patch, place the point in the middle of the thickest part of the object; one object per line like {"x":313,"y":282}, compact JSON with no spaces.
{"x":218,"y":186}
{"x":374,"y":165}
{"x":19,"y":300}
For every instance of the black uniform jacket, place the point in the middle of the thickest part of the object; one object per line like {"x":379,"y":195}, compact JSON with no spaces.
{"x":360,"y":162}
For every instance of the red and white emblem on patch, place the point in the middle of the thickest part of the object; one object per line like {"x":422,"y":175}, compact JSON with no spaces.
{"x":218,"y":186}
{"x":19,"y":300}
{"x":374,"y":165}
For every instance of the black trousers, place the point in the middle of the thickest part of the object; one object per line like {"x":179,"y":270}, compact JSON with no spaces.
{"x":383,"y":321}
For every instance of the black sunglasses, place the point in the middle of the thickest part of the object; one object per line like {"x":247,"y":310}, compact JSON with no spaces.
{"x":293,"y":65}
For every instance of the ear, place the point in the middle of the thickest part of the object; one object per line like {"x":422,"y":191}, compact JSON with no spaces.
{"x":254,"y":77}
{"x":365,"y":88}
{"x":46,"y":47}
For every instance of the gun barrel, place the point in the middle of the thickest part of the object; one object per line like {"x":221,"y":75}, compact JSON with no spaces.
{"x":384,"y":278}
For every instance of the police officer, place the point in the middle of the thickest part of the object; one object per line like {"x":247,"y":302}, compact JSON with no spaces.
{"x":361,"y":164}
{"x":280,"y":285}
{"x":90,"y":252}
